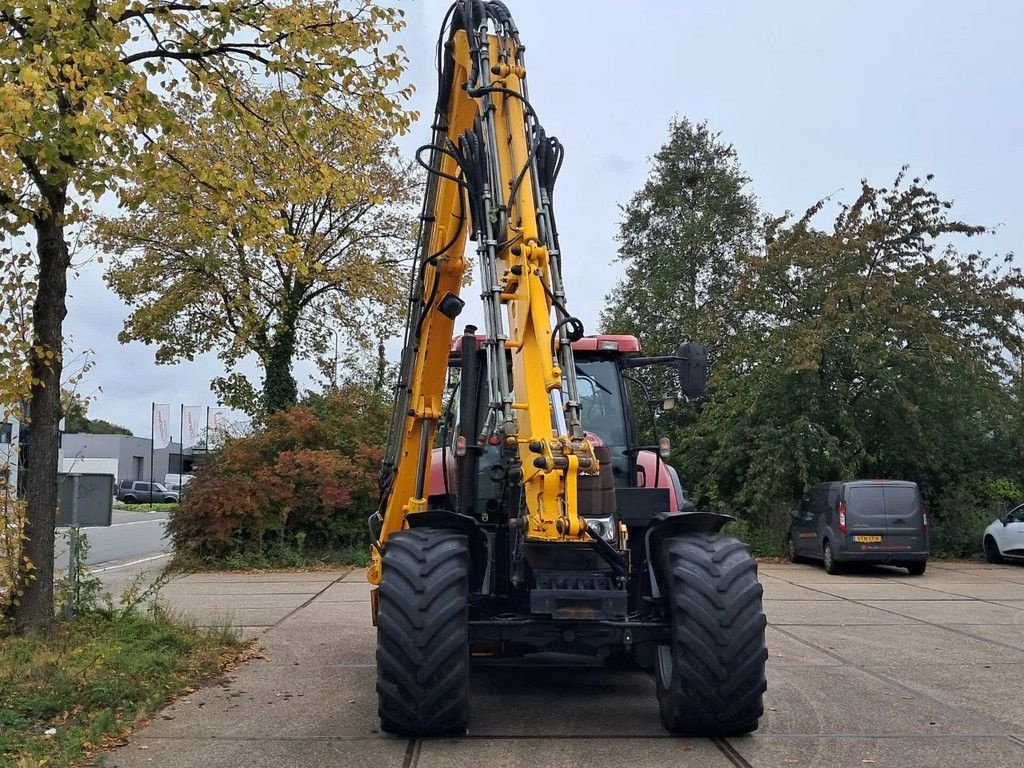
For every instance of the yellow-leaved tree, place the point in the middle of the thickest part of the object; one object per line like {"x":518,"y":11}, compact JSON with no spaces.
{"x":264,"y":242}
{"x":89,"y":89}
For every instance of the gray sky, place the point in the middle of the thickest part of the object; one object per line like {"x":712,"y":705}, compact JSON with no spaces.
{"x":813,"y":95}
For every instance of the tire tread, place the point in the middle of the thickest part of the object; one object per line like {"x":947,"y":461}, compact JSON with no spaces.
{"x":422,"y":634}
{"x":718,"y":648}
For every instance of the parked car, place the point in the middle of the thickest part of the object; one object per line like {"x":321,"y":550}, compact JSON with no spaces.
{"x":138,"y":492}
{"x":1004,"y":539}
{"x":863,"y":521}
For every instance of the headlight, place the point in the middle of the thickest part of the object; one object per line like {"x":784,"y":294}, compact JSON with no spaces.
{"x":603,"y":528}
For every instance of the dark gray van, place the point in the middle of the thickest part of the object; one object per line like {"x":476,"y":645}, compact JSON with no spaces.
{"x":863,"y":521}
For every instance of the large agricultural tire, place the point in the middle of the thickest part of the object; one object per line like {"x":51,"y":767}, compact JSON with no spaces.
{"x":423,"y":634}
{"x":711,"y":677}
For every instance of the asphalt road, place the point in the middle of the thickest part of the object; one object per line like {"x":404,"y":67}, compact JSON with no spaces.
{"x":133,"y":536}
{"x":869,"y":669}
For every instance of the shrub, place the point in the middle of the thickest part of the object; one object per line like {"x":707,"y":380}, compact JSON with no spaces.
{"x":307,"y":479}
{"x":961,"y":514}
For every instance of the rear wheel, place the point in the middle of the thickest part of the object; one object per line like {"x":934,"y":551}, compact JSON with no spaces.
{"x":992,"y":553}
{"x":423,"y":634}
{"x":130,"y":500}
{"x":791,"y":550}
{"x":711,"y":677}
{"x":829,"y":559}
{"x":917,"y":569}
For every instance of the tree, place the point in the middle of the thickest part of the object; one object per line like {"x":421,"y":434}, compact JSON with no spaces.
{"x":76,"y":419}
{"x":205,"y":269}
{"x":679,"y":238}
{"x":91,"y":87}
{"x":875,"y":348}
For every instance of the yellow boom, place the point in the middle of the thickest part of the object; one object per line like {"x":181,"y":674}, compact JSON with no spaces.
{"x":488,"y":165}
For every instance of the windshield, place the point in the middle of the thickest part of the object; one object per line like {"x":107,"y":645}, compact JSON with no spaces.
{"x":601,"y":400}
{"x":158,"y":487}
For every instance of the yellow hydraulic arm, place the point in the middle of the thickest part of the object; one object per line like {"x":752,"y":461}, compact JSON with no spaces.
{"x":491,"y":170}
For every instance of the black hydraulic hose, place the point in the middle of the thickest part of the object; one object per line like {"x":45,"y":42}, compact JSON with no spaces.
{"x":436,"y":171}
{"x":475,"y":92}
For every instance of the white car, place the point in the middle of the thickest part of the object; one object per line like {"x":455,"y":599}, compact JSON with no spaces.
{"x":1005,"y":537}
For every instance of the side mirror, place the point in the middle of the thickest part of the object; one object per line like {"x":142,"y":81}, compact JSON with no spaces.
{"x":693,"y":369}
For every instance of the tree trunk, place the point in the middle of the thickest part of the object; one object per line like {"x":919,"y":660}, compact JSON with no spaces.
{"x":378,"y":382}
{"x":35,"y":613}
{"x":279,"y":389}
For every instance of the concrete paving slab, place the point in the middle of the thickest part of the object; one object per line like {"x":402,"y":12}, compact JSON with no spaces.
{"x":996,"y":590}
{"x":896,"y":644}
{"x":148,"y":752}
{"x":783,"y":590}
{"x":784,"y":651}
{"x":897,"y":752}
{"x":812,"y":575}
{"x":953,"y":611}
{"x":589,"y":700}
{"x":885,"y":590}
{"x":1011,"y":573}
{"x":347,"y":591}
{"x":568,"y":753}
{"x":830,"y":612}
{"x":236,"y":588}
{"x":853,"y":676}
{"x":323,"y":614}
{"x":268,"y":699}
{"x":1008,"y":636}
{"x":990,"y":692}
{"x":825,"y":700}
{"x":332,"y":647}
{"x":208,"y":602}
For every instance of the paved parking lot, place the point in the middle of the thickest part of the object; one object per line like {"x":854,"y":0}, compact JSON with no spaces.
{"x":873,"y":668}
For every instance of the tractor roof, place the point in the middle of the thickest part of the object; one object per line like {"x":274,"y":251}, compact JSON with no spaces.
{"x":604,"y":342}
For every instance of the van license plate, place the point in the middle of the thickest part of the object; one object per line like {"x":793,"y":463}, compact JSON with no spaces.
{"x":867,"y":539}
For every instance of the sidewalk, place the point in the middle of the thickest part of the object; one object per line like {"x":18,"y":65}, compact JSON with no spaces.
{"x":310,"y":701}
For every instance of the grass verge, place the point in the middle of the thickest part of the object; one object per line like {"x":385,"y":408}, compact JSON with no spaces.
{"x":124,"y":507}
{"x":82,"y":689}
{"x":274,"y":558}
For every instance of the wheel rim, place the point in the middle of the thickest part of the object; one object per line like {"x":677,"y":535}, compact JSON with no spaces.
{"x":664,"y":665}
{"x":792,"y":549}
{"x":828,"y":557}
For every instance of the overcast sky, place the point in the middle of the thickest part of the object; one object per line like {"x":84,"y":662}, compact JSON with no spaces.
{"x":813,"y":95}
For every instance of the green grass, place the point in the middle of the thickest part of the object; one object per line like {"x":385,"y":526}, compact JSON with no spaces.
{"x":144,"y":507}
{"x":93,"y":678}
{"x":276,"y":557}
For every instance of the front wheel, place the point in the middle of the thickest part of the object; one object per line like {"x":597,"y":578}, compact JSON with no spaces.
{"x":992,"y":553}
{"x":791,"y":550}
{"x":711,"y":677}
{"x":423,"y":634}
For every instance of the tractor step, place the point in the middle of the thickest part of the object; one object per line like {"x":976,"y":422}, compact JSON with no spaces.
{"x":577,"y":595}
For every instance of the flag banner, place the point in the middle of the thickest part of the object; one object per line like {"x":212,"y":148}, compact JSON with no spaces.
{"x":161,"y":426}
{"x":218,"y":426}
{"x":192,"y":427}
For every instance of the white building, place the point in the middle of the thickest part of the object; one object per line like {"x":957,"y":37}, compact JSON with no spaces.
{"x":10,"y":428}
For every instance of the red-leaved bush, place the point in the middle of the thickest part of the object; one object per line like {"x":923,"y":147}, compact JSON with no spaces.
{"x":308,"y":476}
